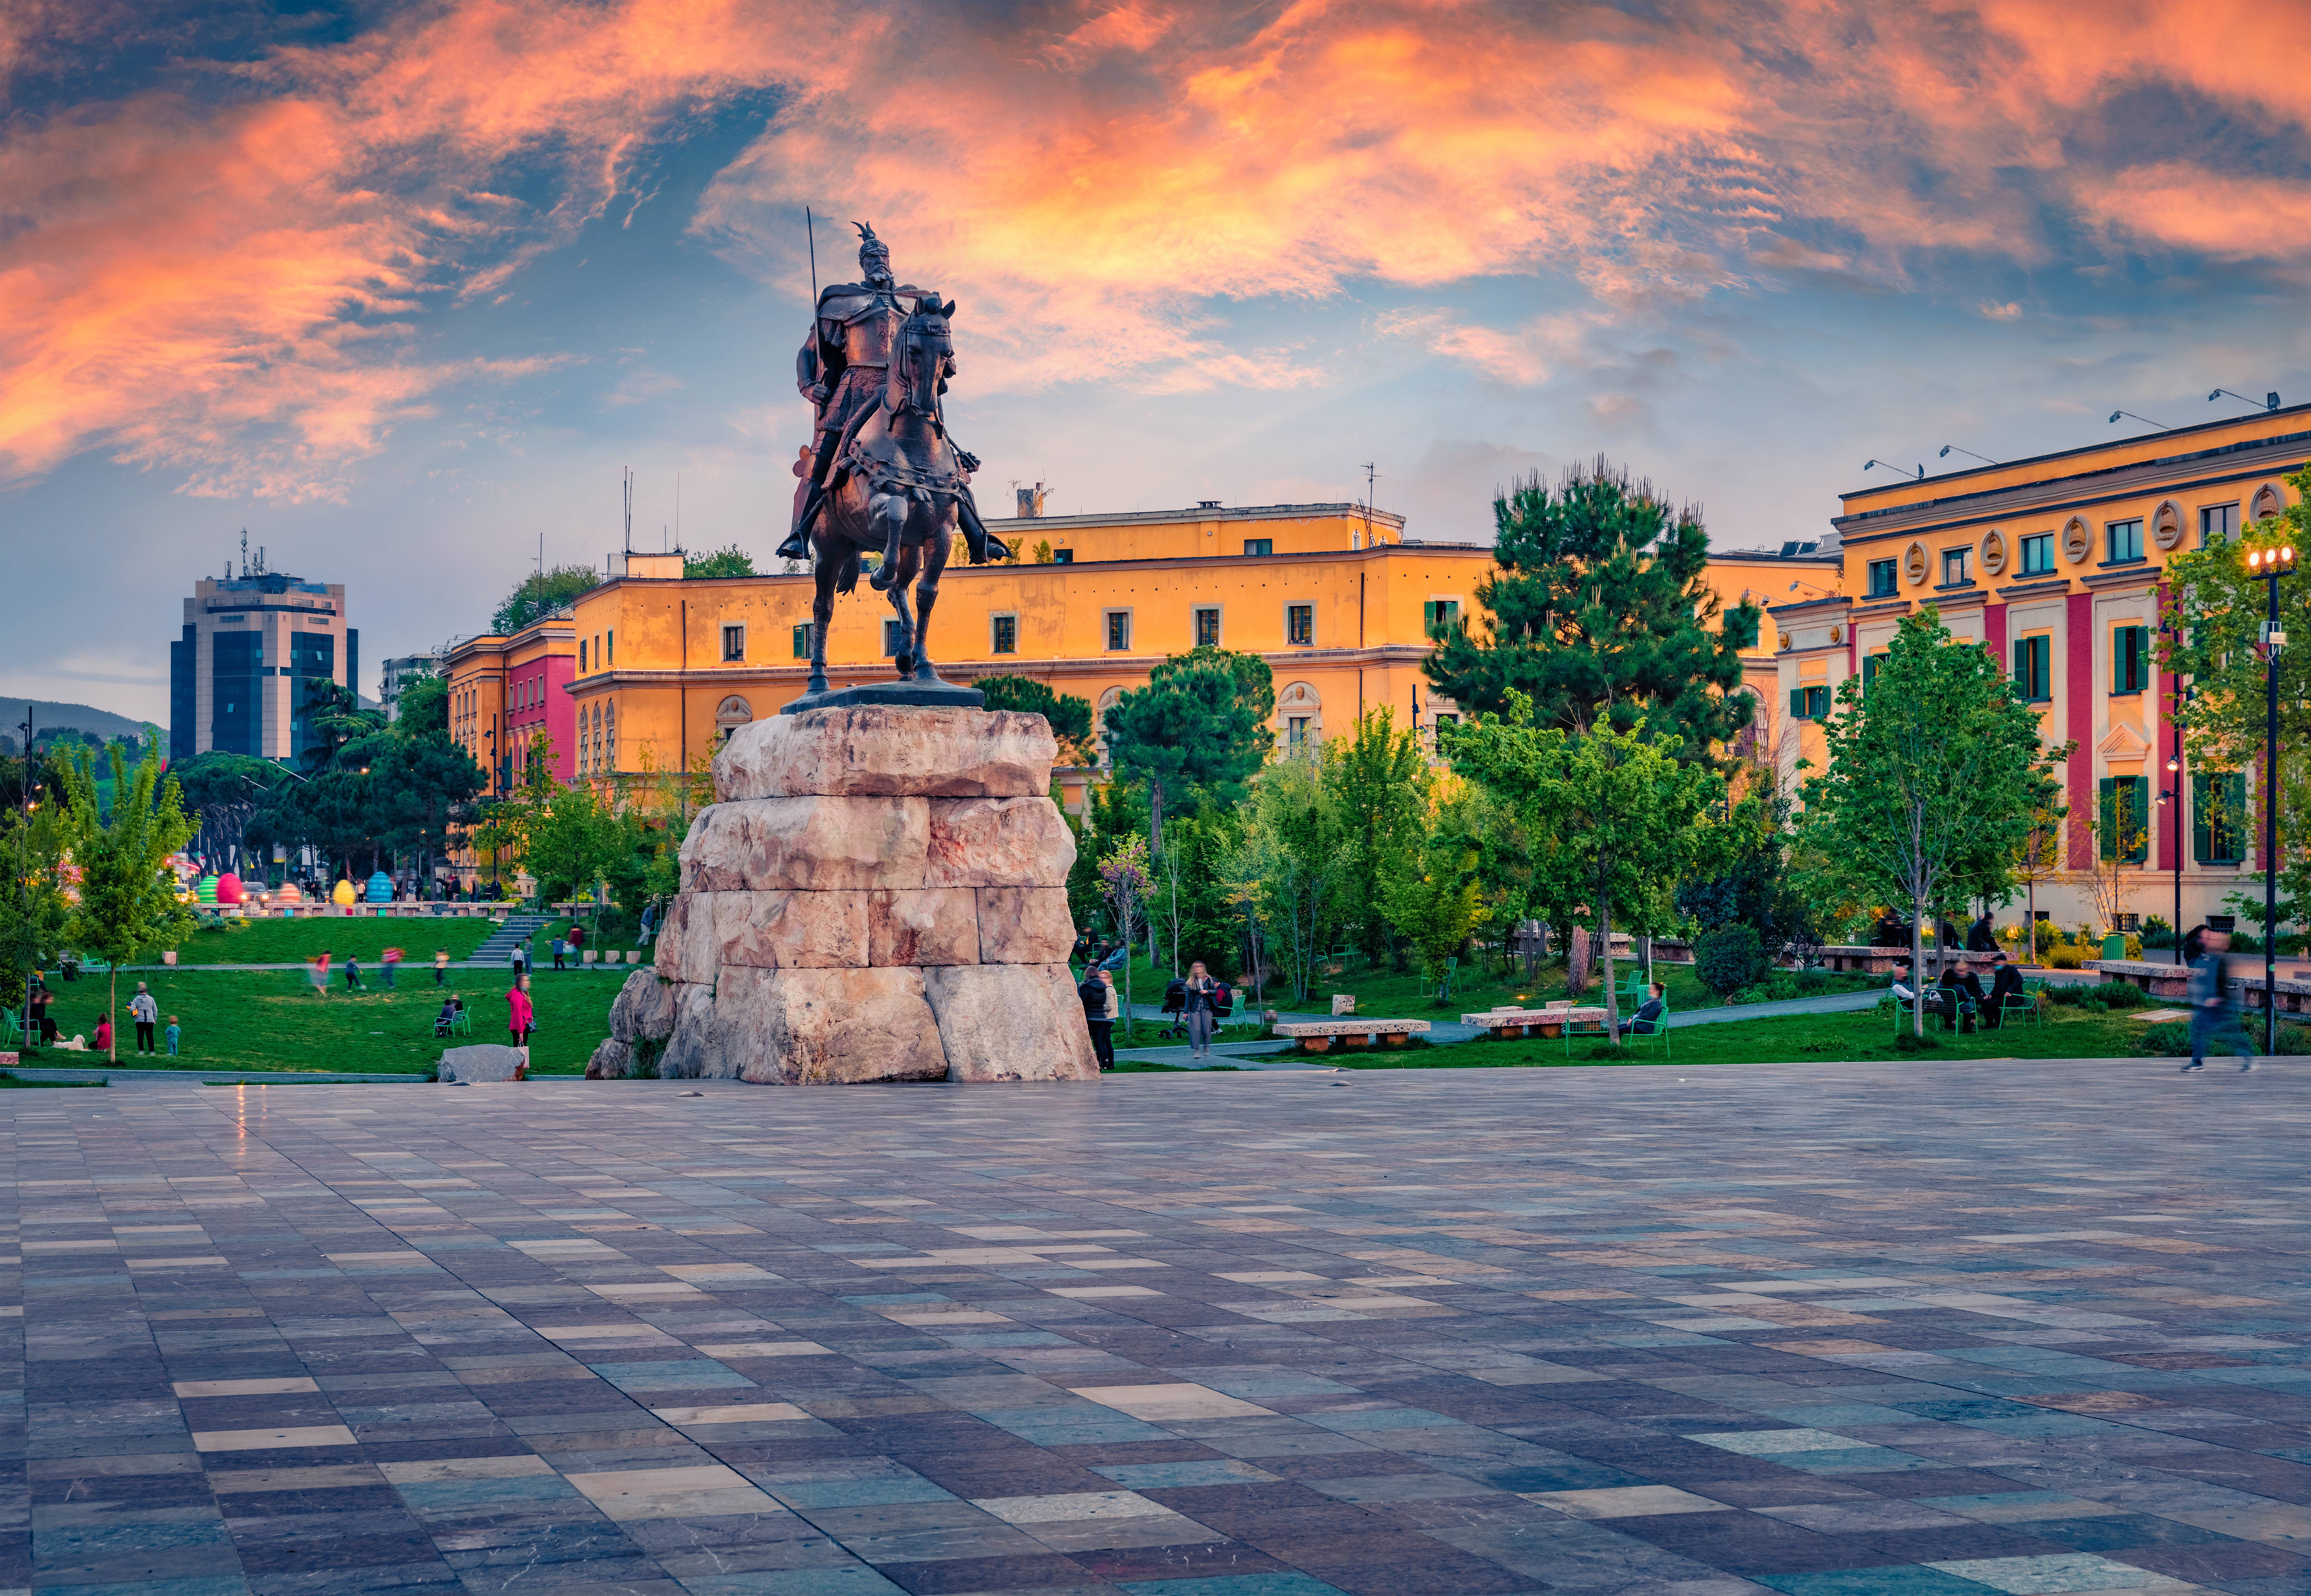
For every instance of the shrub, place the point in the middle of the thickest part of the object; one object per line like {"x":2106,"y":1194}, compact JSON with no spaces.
{"x":2067,"y":997}
{"x":2169,"y":1040}
{"x":2116,"y":994}
{"x":2065,"y":957}
{"x":1729,"y":959}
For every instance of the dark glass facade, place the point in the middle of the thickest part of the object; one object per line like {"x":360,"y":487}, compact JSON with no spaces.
{"x":184,"y":694}
{"x":236,"y":693}
{"x":310,"y":654}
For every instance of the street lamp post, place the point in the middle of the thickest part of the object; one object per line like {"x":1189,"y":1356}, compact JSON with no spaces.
{"x":2169,"y":800}
{"x":2267,"y":566}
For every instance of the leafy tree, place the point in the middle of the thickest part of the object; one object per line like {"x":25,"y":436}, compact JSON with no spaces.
{"x":510,"y":824}
{"x":1729,"y":958}
{"x":1601,"y":615}
{"x":1287,"y":864}
{"x":224,"y":793}
{"x":34,"y":916}
{"x":1745,"y":877}
{"x":127,"y":893}
{"x":1623,"y":812}
{"x":1199,"y":729}
{"x":1435,"y":898}
{"x":1936,"y":777}
{"x":1070,"y":717}
{"x":539,"y":597}
{"x":732,"y":561}
{"x":423,"y":709}
{"x":1189,"y":902}
{"x":2213,"y":634}
{"x":573,"y":841}
{"x":1124,"y":874}
{"x":334,"y":718}
{"x":1379,"y":786}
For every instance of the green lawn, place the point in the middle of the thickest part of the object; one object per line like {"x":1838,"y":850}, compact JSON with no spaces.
{"x":271,"y":1019}
{"x":293,"y":941}
{"x":2065,"y":1033}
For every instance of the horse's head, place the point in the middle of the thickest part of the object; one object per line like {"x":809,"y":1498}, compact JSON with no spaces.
{"x":926,"y":355}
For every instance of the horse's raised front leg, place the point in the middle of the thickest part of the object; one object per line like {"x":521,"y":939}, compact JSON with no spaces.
{"x":827,"y":570}
{"x":935,"y":558}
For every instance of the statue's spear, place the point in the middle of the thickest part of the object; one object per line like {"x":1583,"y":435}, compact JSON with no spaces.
{"x":811,"y":227}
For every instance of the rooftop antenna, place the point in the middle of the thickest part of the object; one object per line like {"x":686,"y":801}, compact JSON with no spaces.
{"x":677,"y":498}
{"x":244,"y":553}
{"x":627,"y":474}
{"x":1372,"y":476}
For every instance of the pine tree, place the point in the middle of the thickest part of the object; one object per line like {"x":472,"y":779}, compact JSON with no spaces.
{"x":1600,"y":615}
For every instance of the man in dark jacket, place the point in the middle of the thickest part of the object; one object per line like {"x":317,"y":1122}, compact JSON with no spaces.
{"x":1647,"y":1020}
{"x":2212,"y":1020}
{"x":2005,"y":981}
{"x":1979,"y":937}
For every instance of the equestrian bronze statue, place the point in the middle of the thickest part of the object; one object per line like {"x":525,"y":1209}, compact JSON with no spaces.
{"x":884,"y":476}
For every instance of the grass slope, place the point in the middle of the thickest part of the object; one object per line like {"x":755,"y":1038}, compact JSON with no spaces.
{"x":271,"y":1020}
{"x":293,"y":941}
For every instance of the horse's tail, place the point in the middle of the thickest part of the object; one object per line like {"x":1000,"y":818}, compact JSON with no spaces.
{"x":847,"y":577}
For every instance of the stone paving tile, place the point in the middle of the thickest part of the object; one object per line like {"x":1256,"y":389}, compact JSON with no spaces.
{"x":1831,"y":1331}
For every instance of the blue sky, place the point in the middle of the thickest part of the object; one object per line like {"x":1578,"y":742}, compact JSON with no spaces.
{"x":403,"y":289}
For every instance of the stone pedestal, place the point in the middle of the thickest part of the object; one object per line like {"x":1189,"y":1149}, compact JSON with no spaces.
{"x":878,"y":893}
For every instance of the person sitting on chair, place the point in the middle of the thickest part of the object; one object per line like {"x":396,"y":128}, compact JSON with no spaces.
{"x":1647,"y":1020}
{"x":2005,"y":981}
{"x":447,"y":1017}
{"x":1960,"y":995}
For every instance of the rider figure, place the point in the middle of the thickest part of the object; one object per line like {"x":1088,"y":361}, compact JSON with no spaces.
{"x":841,"y":370}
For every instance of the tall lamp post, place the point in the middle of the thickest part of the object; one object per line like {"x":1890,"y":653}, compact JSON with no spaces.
{"x":2169,"y":800}
{"x":2267,"y":566}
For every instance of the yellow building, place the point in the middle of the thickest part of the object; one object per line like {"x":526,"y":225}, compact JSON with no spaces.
{"x":1333,"y":596}
{"x":2055,"y":564}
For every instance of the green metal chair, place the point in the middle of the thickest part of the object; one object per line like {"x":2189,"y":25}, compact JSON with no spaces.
{"x":1659,"y":1034}
{"x":12,"y":1030}
{"x":1573,"y":1028}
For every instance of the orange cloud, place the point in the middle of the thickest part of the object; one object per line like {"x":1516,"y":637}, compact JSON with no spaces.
{"x":228,"y":288}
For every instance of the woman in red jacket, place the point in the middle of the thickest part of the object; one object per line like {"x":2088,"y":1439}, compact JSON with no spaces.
{"x":520,"y":1017}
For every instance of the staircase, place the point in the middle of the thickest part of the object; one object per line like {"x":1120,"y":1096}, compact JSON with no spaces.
{"x":499,"y":949}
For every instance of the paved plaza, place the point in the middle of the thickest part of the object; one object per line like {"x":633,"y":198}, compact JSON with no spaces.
{"x":1866,"y":1330}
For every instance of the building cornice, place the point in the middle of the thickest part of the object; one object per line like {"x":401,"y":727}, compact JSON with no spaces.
{"x":1197,"y":515}
{"x":2035,"y":590}
{"x":1282,"y":663}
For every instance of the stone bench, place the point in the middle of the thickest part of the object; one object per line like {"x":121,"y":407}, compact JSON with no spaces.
{"x":1549,"y":1020}
{"x":1317,"y":1036}
{"x":2163,"y":979}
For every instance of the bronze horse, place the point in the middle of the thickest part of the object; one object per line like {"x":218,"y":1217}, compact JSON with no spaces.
{"x":900,"y":489}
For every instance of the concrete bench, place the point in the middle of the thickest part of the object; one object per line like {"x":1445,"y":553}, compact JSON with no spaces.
{"x":1317,"y":1036}
{"x":1549,"y":1020}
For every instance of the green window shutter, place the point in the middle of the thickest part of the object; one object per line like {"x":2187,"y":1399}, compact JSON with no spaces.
{"x":2023,"y":665}
{"x":2106,"y":794}
{"x":2202,"y":835}
{"x":1797,"y":704}
{"x":2138,"y":819}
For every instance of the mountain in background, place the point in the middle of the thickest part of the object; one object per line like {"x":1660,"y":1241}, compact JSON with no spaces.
{"x":48,"y":716}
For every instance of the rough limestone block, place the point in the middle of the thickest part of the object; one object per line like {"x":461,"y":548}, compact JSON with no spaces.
{"x":826,"y":1027}
{"x":1011,"y":1023}
{"x":644,"y":1010}
{"x":790,"y":930}
{"x":923,"y":925}
{"x":1015,"y":841}
{"x":1025,"y":925}
{"x":810,"y":844}
{"x":673,"y":939}
{"x":692,"y":1046}
{"x":485,"y":1062}
{"x":883,"y":751}
{"x":614,"y":1061}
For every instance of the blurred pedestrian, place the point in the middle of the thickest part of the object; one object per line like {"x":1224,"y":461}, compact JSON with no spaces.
{"x":2212,"y":1019}
{"x":353,"y":973}
{"x":521,"y":1019}
{"x":390,"y":958}
{"x":317,"y":971}
{"x":440,"y":966}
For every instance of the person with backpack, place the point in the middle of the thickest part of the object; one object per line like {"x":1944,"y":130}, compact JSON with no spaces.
{"x":1097,"y":994}
{"x":1198,"y":1003}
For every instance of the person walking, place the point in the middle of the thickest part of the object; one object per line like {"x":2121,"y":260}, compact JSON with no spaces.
{"x":1197,"y":1008}
{"x":2212,"y":1018}
{"x":577,"y":944}
{"x":1095,"y":996}
{"x":440,"y":966}
{"x":648,"y":927}
{"x":560,"y":948}
{"x":317,"y":971}
{"x":1114,"y":1010}
{"x":521,"y":1019}
{"x":391,"y":959}
{"x":147,"y":1013}
{"x":353,"y":973}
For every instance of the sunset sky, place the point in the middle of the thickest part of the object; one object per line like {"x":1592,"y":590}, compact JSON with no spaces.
{"x":402,"y":288}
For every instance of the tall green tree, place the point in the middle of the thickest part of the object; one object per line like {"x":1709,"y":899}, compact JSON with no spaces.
{"x":1070,"y":717}
{"x":127,"y":893}
{"x":34,"y":915}
{"x":422,"y":709}
{"x":1199,"y":728}
{"x":1601,"y":615}
{"x":574,"y":840}
{"x":222,"y":793}
{"x":1288,"y":865}
{"x":334,"y":718}
{"x":732,"y":561}
{"x":1625,"y":812}
{"x":1935,"y":778}
{"x":1434,"y":894}
{"x":1378,"y":784}
{"x":2212,"y":636}
{"x":546,"y":594}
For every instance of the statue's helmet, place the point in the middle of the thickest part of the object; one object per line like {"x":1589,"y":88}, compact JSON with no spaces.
{"x":871,"y":249}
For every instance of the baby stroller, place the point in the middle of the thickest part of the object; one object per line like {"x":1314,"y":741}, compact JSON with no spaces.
{"x":1175,"y":1006}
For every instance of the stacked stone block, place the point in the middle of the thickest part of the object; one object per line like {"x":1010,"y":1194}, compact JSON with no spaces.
{"x":878,"y":893}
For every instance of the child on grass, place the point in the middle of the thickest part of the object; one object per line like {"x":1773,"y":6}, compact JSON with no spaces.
{"x":171,"y":1034}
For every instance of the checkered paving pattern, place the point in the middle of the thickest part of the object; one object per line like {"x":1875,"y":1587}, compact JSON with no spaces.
{"x":1820,"y":1330}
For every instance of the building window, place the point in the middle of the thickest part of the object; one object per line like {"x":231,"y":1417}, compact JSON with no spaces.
{"x":1119,"y":631}
{"x":1006,"y":634}
{"x":2218,"y":816}
{"x":1259,"y":545}
{"x":1883,"y":578}
{"x":1870,"y":665}
{"x":610,"y":648}
{"x":1295,"y":730}
{"x":1955,"y":563}
{"x":1063,"y":556}
{"x":2124,"y":540}
{"x":894,"y":640}
{"x":2034,"y":659}
{"x":2129,"y":660}
{"x":734,"y":644}
{"x":2217,"y":523}
{"x":1207,"y":629}
{"x":2125,"y":819}
{"x":1300,"y":623}
{"x":1809,"y":704}
{"x":2038,"y":555}
{"x":1439,"y":616}
{"x":802,"y":640}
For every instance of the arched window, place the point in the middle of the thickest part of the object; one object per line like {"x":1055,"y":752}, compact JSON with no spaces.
{"x":1300,"y":714}
{"x":610,"y":737}
{"x":1107,"y":701}
{"x":729,"y":715}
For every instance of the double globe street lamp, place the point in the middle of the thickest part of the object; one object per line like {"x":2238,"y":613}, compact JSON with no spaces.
{"x":2267,"y":566}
